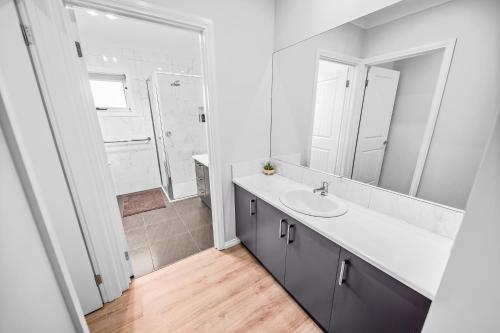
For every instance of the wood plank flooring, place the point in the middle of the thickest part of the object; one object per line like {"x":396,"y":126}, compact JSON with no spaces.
{"x":212,"y":291}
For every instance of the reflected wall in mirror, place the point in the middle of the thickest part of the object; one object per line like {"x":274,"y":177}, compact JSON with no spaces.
{"x":403,"y":98}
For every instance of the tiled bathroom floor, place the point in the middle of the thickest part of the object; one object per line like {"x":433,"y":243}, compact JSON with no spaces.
{"x":160,"y":237}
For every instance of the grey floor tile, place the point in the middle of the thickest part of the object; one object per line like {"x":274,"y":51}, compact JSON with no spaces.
{"x":196,"y":218}
{"x":203,"y":236}
{"x":173,"y":249}
{"x":133,"y":222}
{"x":141,"y":261}
{"x":136,"y":238}
{"x":159,"y":215}
{"x":164,"y":230}
{"x":188,"y":205}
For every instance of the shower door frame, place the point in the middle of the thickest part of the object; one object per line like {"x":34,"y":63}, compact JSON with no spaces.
{"x":205,"y":27}
{"x":158,"y":121}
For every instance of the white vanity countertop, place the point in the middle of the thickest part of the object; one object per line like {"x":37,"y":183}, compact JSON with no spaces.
{"x":411,"y":255}
{"x":203,"y":159}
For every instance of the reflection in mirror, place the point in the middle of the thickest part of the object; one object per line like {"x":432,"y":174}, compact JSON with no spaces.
{"x":401,"y":99}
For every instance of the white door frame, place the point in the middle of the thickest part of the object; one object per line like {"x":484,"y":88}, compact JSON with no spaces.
{"x":101,"y":225}
{"x":448,"y":47}
{"x":352,"y":107}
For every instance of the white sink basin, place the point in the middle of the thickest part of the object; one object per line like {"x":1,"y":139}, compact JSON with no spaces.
{"x":309,"y":203}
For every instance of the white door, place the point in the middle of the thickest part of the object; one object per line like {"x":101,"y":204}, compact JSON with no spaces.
{"x":378,"y":105}
{"x":328,"y":111}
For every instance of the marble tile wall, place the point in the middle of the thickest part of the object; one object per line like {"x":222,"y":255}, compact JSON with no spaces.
{"x":134,"y":167}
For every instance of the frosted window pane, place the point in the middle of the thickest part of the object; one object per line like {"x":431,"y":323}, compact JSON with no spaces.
{"x":108,"y":94}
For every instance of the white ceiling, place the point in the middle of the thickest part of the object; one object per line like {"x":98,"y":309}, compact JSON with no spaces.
{"x":396,"y":11}
{"x":134,"y":33}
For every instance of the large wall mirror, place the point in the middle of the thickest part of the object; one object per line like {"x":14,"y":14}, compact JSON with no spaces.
{"x":403,"y":98}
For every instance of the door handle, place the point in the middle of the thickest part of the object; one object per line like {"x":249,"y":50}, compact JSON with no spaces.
{"x":280,"y":231}
{"x":343,"y":271}
{"x":252,"y":205}
{"x":290,"y":239}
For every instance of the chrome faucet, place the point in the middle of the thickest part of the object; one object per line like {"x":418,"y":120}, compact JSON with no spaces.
{"x":323,"y":188}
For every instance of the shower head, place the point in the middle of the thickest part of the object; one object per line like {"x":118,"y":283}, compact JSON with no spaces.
{"x":176,"y":83}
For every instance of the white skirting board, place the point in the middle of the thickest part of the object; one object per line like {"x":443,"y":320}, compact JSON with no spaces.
{"x":231,"y":243}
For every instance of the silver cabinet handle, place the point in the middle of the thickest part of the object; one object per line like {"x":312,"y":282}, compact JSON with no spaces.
{"x":343,"y":270}
{"x":289,"y":239}
{"x":252,"y":205}
{"x":280,"y":231}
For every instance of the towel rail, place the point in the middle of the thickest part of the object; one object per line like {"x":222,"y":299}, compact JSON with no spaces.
{"x":148,"y":139}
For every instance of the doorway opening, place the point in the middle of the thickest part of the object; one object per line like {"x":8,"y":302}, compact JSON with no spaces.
{"x":148,"y":88}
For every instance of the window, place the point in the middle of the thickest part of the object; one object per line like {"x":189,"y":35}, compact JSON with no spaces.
{"x":109,"y":91}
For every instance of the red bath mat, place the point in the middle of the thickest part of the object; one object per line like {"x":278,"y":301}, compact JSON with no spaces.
{"x":139,"y":202}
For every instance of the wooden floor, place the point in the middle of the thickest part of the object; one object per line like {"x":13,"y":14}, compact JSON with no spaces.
{"x":212,"y":291}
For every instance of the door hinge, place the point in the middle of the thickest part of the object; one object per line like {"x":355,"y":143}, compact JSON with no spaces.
{"x":27,"y":35}
{"x":78,"y":49}
{"x":127,"y":257}
{"x":347,"y":83}
{"x":98,"y":279}
{"x":366,"y":83}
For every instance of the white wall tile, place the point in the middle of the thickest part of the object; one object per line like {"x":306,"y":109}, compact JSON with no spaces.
{"x":358,"y":193}
{"x":289,"y":170}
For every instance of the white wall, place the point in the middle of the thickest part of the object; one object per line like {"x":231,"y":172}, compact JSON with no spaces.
{"x":468,"y":297}
{"x":31,"y":300}
{"x":297,"y":20}
{"x":471,"y":99}
{"x":417,"y":84}
{"x":243,"y":47}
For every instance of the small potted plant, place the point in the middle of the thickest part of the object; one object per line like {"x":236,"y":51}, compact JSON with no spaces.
{"x":268,"y":169}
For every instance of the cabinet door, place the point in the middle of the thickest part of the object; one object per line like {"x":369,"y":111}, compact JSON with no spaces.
{"x":311,"y":269}
{"x":200,"y":179}
{"x":207,"y":197}
{"x":246,"y":217}
{"x":368,"y":300}
{"x":271,"y":239}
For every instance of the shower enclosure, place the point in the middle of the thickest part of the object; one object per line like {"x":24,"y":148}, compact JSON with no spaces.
{"x":177,"y":112}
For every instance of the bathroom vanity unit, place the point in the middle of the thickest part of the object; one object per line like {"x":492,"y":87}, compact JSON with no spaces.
{"x":359,"y":272}
{"x":202,"y":178}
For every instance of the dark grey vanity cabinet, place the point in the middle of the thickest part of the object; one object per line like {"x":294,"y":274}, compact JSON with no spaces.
{"x":271,"y":239}
{"x":311,"y":267}
{"x":368,"y":300}
{"x":203,"y":183}
{"x":246,"y":217}
{"x":341,"y":292}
